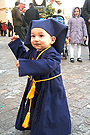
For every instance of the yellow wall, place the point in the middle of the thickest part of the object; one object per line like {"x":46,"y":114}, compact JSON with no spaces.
{"x":2,"y":10}
{"x":2,"y":3}
{"x":3,"y":16}
{"x":5,"y":6}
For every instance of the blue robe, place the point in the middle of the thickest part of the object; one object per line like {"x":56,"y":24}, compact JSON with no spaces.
{"x":49,"y":110}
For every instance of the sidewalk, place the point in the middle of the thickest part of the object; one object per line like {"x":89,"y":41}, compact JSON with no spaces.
{"x":76,"y":79}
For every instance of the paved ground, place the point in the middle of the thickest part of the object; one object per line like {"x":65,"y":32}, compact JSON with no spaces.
{"x":76,"y":79}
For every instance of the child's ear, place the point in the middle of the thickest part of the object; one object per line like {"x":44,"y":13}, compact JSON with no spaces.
{"x":53,"y":39}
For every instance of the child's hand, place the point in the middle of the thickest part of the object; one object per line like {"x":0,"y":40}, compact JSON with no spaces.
{"x":66,"y":41}
{"x":89,"y":20}
{"x":68,"y":38}
{"x":14,"y":37}
{"x":17,"y":64}
{"x":84,"y":38}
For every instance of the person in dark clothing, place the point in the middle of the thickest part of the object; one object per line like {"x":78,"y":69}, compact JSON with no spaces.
{"x":23,"y":17}
{"x":17,"y":20}
{"x":31,"y":14}
{"x":24,"y":24}
{"x":10,"y":28}
{"x":1,"y":28}
{"x":86,"y":15}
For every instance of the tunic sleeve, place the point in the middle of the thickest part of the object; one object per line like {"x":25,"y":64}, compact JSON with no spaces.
{"x":17,"y":48}
{"x":41,"y":66}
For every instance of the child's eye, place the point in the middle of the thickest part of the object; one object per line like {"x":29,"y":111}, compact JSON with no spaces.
{"x":32,"y":35}
{"x":41,"y":35}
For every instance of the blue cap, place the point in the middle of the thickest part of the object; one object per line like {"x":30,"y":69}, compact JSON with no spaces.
{"x":54,"y":28}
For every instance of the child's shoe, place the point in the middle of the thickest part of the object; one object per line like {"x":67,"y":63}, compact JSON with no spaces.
{"x":72,"y":60}
{"x":79,"y":59}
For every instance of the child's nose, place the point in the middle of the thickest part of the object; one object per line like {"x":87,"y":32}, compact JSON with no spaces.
{"x":36,"y":38}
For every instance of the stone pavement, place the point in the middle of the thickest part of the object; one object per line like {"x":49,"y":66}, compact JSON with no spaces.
{"x":76,"y":79}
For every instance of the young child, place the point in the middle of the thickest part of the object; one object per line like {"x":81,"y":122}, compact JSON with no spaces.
{"x":77,"y":33}
{"x":4,"y":28}
{"x":44,"y":108}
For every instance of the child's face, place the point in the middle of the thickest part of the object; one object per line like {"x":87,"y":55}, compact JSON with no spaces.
{"x":40,"y":39}
{"x":76,"y":12}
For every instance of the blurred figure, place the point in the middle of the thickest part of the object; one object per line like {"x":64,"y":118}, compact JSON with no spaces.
{"x":77,"y":33}
{"x":31,"y":14}
{"x":24,"y":24}
{"x":10,"y":28}
{"x":59,"y":12}
{"x":17,"y":20}
{"x":86,"y":15}
{"x":59,"y":16}
{"x":1,"y":28}
{"x":4,"y":28}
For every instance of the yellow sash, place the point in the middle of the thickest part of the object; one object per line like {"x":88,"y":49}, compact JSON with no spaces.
{"x":31,"y":92}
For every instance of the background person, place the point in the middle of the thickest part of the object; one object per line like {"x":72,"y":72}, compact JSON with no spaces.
{"x":77,"y":33}
{"x":17,"y":20}
{"x":31,"y":14}
{"x":4,"y":28}
{"x":10,"y":28}
{"x":24,"y":24}
{"x":1,"y":28}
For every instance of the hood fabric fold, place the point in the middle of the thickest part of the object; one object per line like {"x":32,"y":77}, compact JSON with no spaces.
{"x":53,"y":27}
{"x":73,"y":11}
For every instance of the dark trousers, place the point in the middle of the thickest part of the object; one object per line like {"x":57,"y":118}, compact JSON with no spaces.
{"x":1,"y":32}
{"x":9,"y":32}
{"x":18,"y":31}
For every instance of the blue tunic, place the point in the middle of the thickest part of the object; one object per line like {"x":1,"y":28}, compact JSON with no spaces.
{"x":49,"y":110}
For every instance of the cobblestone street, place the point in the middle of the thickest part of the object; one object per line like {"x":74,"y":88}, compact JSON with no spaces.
{"x":76,"y":79}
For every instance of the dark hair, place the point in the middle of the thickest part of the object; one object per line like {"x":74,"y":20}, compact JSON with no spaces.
{"x":59,"y":11}
{"x":16,"y":3}
{"x":77,"y":8}
{"x":31,"y":4}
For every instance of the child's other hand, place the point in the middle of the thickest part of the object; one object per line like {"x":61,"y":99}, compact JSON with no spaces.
{"x":68,"y":38}
{"x":84,"y":38}
{"x":89,"y":20}
{"x":17,"y":64}
{"x":66,"y":41}
{"x":14,"y":37}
